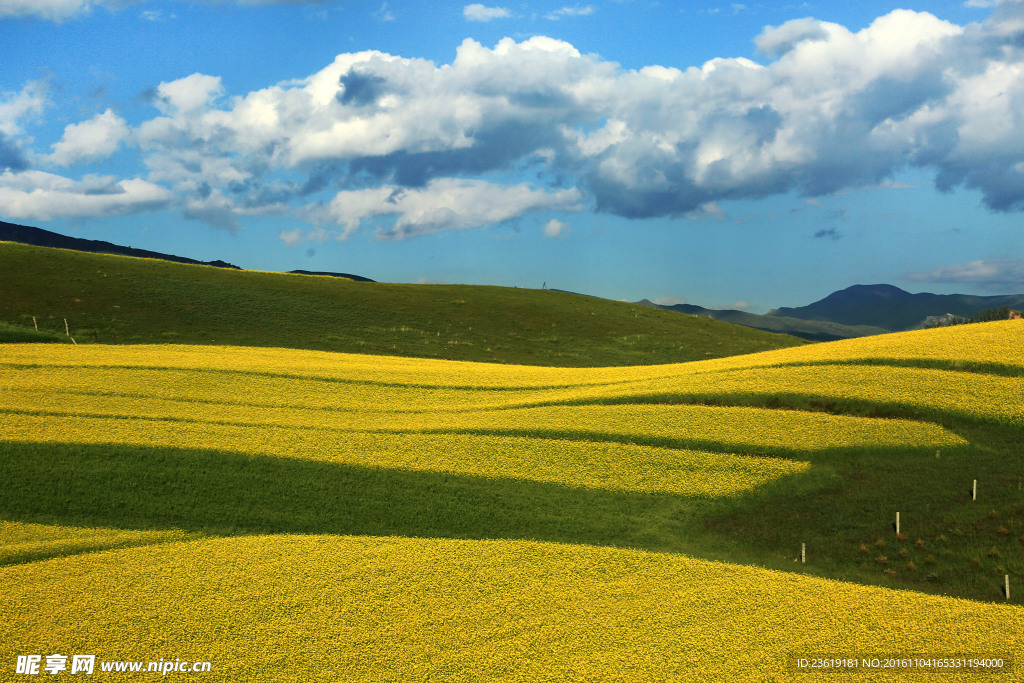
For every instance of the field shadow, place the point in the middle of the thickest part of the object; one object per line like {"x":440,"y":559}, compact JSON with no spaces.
{"x":224,"y":493}
{"x":837,"y":503}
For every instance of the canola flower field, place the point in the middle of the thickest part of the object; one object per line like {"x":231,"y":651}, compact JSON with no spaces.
{"x":296,"y":515}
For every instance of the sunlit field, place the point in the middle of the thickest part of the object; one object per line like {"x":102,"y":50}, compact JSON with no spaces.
{"x":303,"y":515}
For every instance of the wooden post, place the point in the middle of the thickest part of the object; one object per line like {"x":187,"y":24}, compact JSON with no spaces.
{"x":1007,"y":587}
{"x":803,"y":553}
{"x":35,"y":324}
{"x":974,"y":490}
{"x":66,"y":330}
{"x":897,"y":524}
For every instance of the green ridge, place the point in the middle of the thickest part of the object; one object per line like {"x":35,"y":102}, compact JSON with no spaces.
{"x":125,"y":300}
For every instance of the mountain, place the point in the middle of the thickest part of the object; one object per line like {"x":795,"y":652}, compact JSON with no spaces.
{"x":11,"y":232}
{"x":813,"y":330}
{"x":892,"y":308}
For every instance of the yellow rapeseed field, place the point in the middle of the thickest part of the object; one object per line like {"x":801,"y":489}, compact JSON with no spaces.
{"x":338,"y":607}
{"x":330,"y":608}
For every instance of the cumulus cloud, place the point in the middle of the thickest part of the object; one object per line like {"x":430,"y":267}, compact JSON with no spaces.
{"x":444,"y":204}
{"x":43,"y":196}
{"x":98,"y":137}
{"x":670,"y":300}
{"x":410,"y":141}
{"x":478,"y":12}
{"x":14,"y":107}
{"x":991,"y":274}
{"x":778,"y":40}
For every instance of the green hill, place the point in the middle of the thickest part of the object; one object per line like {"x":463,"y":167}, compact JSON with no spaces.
{"x":124,"y":300}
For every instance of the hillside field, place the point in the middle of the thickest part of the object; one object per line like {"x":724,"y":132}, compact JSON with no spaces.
{"x":111,"y":299}
{"x":308,"y":515}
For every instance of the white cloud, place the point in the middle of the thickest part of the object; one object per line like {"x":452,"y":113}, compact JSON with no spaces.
{"x":98,"y":137}
{"x":157,"y":15}
{"x":478,"y":12}
{"x":574,"y":11}
{"x":992,"y":274}
{"x":14,"y":107}
{"x":555,"y":228}
{"x":188,"y":94}
{"x":62,"y":10}
{"x":291,"y":237}
{"x":833,"y":110}
{"x":444,"y":204}
{"x":53,"y":10}
{"x":43,"y":196}
{"x":384,"y":14}
{"x":778,"y":40}
{"x":57,"y":10}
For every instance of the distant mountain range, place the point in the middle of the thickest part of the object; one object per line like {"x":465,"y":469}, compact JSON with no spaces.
{"x":857,"y":311}
{"x":892,"y":308}
{"x":814,"y":330}
{"x":11,"y":232}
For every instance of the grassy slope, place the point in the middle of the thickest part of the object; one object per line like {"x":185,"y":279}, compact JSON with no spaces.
{"x":114,"y":299}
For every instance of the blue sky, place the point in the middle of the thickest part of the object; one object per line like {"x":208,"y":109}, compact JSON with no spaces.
{"x":748,"y":155}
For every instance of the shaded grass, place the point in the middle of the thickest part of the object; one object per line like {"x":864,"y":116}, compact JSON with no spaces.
{"x":18,"y":334}
{"x":846,"y":500}
{"x":118,"y":299}
{"x":224,"y":493}
{"x":932,"y":494}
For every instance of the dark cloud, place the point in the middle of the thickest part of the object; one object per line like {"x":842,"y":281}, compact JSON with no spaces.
{"x":831,"y":234}
{"x":361,"y":90}
{"x":11,"y":157}
{"x":497,"y":147}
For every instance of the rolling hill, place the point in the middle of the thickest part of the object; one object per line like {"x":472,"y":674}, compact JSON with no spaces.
{"x":24,"y":234}
{"x":117,"y":299}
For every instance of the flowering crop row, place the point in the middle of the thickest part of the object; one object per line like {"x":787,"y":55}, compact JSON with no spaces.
{"x":970,"y":394}
{"x":614,"y":466}
{"x":286,"y":608}
{"x":778,"y":431}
